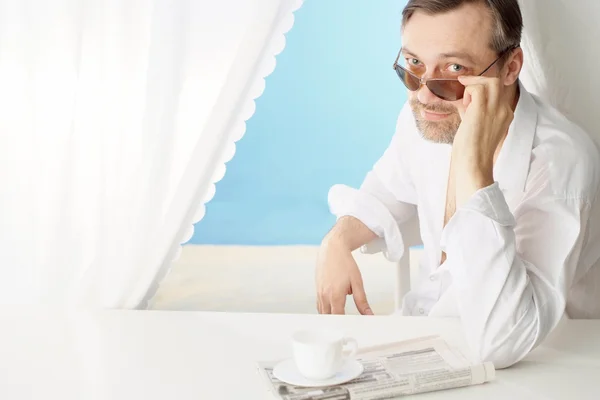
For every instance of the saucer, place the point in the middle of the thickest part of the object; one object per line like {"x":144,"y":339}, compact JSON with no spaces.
{"x":287,"y":372}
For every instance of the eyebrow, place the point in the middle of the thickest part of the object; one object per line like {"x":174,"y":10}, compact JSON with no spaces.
{"x":457,"y":54}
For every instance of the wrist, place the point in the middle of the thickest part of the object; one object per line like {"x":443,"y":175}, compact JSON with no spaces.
{"x":336,"y":240}
{"x":348,"y":234}
{"x":470,"y":181}
{"x":476,"y":164}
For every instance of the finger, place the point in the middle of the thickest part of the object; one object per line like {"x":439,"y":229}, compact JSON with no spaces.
{"x":319,"y":294}
{"x":477,"y":96}
{"x":492,"y":86}
{"x":462,"y":108}
{"x":468,"y":80}
{"x":493,"y":93}
{"x":360,"y":297}
{"x":325,"y":305}
{"x":338,"y":304}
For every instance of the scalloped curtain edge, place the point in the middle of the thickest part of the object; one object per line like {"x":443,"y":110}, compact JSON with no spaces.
{"x":276,"y":45}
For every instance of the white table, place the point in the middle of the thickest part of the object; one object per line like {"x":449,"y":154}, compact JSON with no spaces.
{"x":192,"y":355}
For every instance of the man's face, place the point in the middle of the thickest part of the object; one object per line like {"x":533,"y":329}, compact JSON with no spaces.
{"x":445,"y":46}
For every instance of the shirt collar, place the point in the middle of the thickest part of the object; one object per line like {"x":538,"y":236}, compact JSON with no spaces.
{"x":512,"y":166}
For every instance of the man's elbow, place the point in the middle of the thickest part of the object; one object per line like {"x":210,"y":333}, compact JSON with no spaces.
{"x":504,"y":349}
{"x":502,"y":356}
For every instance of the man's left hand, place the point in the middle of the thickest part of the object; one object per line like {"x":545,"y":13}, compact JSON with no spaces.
{"x":486,"y":116}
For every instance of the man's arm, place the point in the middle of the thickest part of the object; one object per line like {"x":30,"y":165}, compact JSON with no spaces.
{"x":511,"y":273}
{"x":370,"y":217}
{"x":367,"y":217}
{"x":512,"y":276}
{"x":348,"y":234}
{"x":338,"y":274}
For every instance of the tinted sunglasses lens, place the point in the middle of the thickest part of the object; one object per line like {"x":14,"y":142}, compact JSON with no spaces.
{"x":448,"y":90}
{"x":412,"y":83}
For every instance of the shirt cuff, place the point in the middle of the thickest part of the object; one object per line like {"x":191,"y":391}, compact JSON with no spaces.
{"x":489,"y":203}
{"x":346,"y":201}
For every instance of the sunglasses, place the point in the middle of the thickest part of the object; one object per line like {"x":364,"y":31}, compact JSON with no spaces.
{"x":445,"y":89}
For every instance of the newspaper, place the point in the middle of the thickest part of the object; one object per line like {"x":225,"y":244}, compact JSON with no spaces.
{"x":397,"y":369}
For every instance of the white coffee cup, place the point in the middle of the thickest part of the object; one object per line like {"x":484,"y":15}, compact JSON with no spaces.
{"x":320,"y":354}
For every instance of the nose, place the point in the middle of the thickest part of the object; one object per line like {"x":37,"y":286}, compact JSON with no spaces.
{"x":425,"y":96}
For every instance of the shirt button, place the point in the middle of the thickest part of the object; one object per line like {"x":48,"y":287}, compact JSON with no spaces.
{"x":421,"y":311}
{"x":433,"y":278}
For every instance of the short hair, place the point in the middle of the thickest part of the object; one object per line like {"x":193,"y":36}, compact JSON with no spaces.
{"x":506,"y":14}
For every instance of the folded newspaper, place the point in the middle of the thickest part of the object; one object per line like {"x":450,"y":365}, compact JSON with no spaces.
{"x":393,"y":370}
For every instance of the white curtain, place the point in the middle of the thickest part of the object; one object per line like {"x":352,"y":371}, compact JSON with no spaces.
{"x":116,"y":120}
{"x":562,"y":57}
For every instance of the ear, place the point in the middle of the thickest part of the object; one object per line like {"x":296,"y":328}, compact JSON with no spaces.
{"x":512,"y":67}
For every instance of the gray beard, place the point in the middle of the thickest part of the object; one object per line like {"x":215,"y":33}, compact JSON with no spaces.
{"x":435,"y":133}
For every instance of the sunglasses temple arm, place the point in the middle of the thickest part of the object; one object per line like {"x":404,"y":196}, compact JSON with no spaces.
{"x":491,"y":65}
{"x":505,"y":52}
{"x":397,"y":58}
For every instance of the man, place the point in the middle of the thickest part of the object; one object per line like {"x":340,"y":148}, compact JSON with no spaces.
{"x":505,"y":188}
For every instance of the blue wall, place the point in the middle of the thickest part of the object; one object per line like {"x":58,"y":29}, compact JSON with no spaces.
{"x":328,"y":112}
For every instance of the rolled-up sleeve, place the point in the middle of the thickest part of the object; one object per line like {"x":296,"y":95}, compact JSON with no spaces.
{"x":512,"y":274}
{"x":385,"y":199}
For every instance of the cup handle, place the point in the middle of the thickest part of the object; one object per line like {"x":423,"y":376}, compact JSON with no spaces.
{"x":350,"y":353}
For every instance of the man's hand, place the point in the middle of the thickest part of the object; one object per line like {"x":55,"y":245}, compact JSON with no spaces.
{"x":486,"y":116}
{"x":337,"y":276}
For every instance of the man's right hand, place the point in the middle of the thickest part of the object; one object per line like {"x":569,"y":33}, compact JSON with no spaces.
{"x":337,"y":276}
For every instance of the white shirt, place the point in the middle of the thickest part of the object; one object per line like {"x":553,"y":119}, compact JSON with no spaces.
{"x":520,"y":253}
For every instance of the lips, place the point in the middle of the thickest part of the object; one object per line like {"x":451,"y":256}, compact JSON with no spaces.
{"x":433,"y":116}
